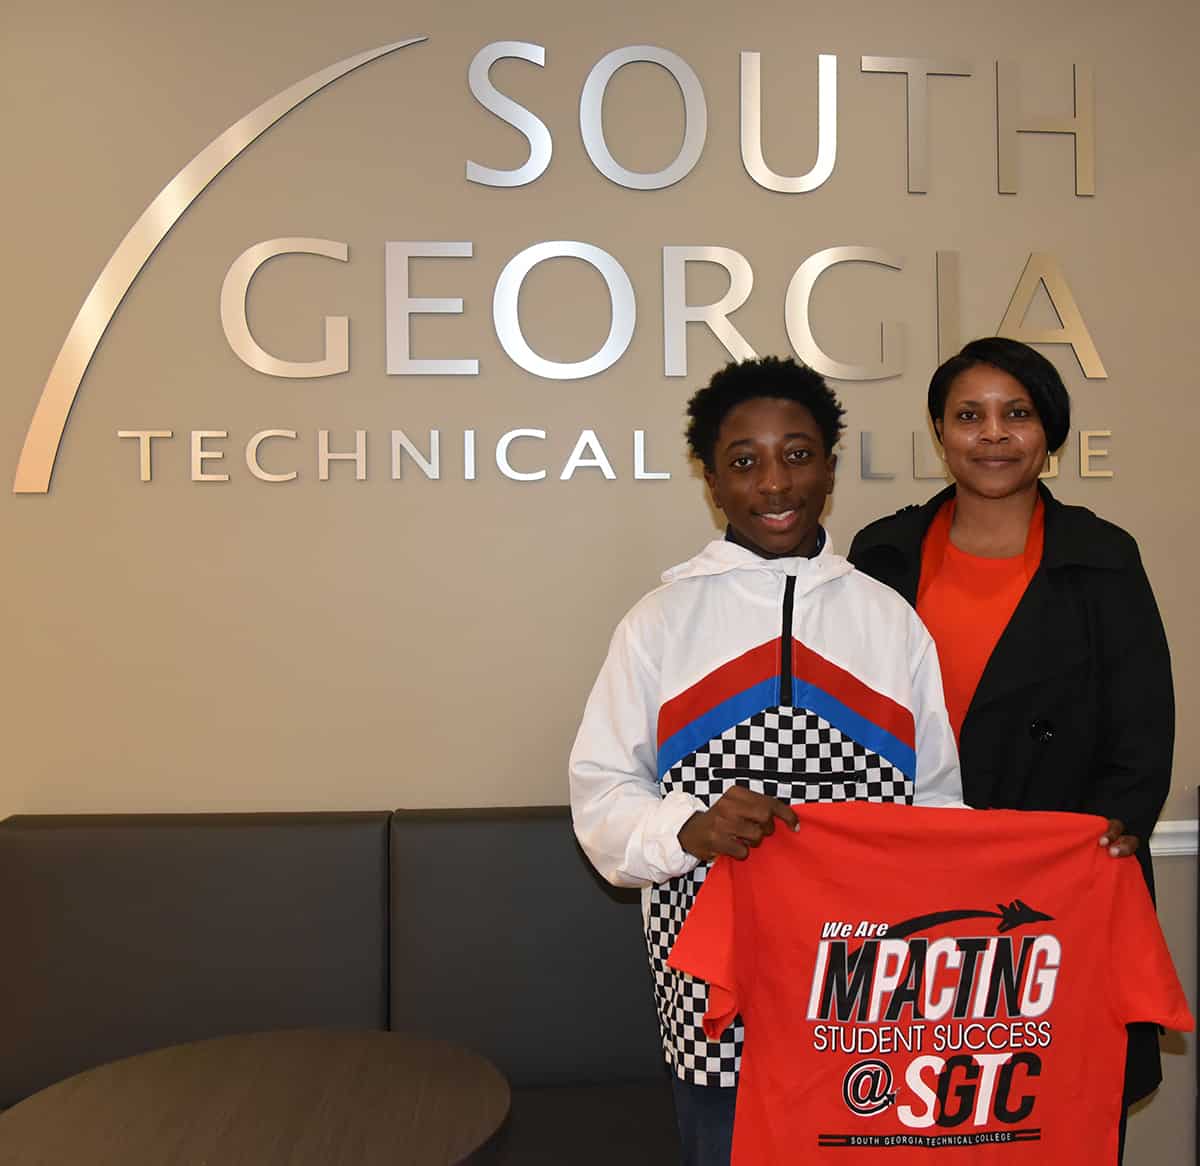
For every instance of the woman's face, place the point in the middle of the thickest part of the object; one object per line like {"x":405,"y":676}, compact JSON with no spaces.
{"x":994,"y":441}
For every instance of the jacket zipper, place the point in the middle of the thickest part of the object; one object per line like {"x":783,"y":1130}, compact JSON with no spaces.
{"x":785,"y":643}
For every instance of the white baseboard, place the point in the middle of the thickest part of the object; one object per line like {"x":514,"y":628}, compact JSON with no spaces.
{"x":1174,"y":838}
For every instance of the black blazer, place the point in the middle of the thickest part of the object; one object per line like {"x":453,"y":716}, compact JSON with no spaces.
{"x":1075,"y":709}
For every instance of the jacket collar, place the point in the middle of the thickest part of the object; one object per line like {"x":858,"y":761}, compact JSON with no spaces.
{"x":722,"y":557}
{"x":1071,"y":533}
{"x":1076,"y":537}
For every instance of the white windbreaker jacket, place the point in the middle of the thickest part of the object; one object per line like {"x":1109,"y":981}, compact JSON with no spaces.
{"x":800,"y":678}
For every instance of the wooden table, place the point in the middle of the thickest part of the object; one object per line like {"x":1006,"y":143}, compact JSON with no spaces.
{"x":314,"y":1097}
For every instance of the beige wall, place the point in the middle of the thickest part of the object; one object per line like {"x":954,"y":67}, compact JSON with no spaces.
{"x":1162,"y":1129}
{"x":203,"y":646}
{"x":180,"y":645}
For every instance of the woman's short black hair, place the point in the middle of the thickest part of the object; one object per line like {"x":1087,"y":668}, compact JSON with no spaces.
{"x":748,"y":380}
{"x":1037,"y":376}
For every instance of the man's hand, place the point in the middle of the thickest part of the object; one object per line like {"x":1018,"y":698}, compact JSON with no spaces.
{"x":738,"y":820}
{"x":1120,"y":844}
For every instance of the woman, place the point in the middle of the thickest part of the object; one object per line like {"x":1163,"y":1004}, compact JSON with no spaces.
{"x":1054,"y":660}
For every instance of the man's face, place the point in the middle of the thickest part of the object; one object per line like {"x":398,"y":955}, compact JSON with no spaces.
{"x":771,"y":476}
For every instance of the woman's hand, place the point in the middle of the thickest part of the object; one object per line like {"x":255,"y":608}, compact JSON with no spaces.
{"x":1120,"y":844}
{"x":738,"y":820}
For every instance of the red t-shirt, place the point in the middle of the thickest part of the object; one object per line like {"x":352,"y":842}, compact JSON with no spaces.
{"x":930,"y":980}
{"x":966,"y":602}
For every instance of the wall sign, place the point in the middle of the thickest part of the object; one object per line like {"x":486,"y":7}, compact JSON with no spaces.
{"x":271,"y":455}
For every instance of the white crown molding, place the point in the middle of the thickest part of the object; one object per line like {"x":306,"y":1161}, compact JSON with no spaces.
{"x":1174,"y":838}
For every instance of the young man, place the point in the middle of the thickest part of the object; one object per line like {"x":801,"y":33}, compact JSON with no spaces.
{"x":765,"y":671}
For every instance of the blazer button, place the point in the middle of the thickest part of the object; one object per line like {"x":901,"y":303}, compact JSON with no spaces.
{"x":1042,"y":731}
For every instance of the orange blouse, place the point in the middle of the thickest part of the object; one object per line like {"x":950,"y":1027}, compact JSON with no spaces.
{"x":966,"y":602}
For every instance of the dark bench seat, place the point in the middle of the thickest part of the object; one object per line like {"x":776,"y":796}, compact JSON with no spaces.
{"x":539,"y":965}
{"x":123,"y":933}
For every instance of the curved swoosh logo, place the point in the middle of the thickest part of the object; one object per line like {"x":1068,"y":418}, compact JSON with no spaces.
{"x":40,"y":450}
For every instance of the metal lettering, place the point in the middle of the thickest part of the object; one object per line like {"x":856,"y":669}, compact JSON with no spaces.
{"x":541,"y":145}
{"x":917,"y":71}
{"x":799,"y":328}
{"x":640,"y":473}
{"x":1010,"y":122}
{"x":866,"y":469}
{"x":1087,"y":451}
{"x":949,"y":331}
{"x":468,"y":455}
{"x":751,"y":128}
{"x":926,"y":457}
{"x":144,"y":438}
{"x":506,"y":314}
{"x":502,"y":462}
{"x":430,"y":466}
{"x":591,"y":117}
{"x":1042,"y":268}
{"x":200,"y":455}
{"x":252,"y":462}
{"x":400,"y":307}
{"x":45,"y":431}
{"x":678,"y":313}
{"x":358,"y":457}
{"x":588,"y":444}
{"x":235,"y":288}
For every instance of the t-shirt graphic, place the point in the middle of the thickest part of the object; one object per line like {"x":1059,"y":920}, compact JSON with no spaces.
{"x":917,"y":980}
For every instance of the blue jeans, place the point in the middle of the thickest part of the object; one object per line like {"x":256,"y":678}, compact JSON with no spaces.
{"x":705,"y":1117}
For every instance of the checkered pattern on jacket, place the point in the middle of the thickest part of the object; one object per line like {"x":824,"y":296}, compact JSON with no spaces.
{"x":787,"y":753}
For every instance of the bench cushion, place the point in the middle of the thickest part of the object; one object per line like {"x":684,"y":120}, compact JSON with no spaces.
{"x":138,"y":931}
{"x":505,"y":940}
